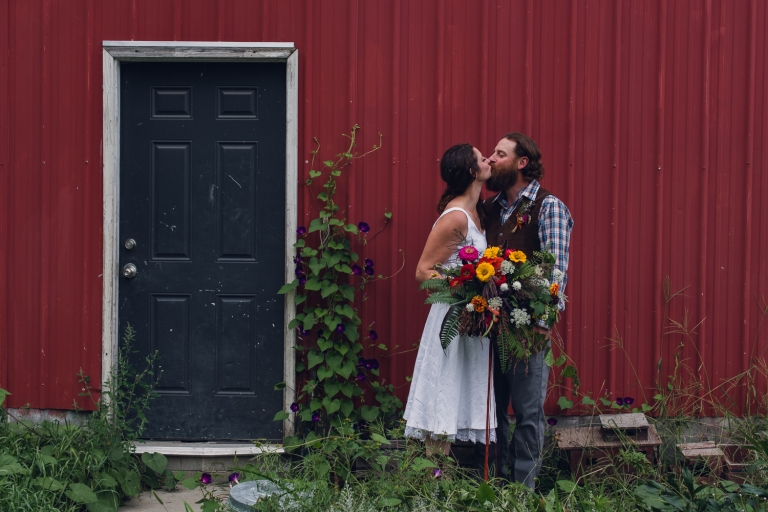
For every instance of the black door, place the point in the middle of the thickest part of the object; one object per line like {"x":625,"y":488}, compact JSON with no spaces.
{"x":202,"y":194}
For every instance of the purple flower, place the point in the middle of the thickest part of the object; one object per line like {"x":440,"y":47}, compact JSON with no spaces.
{"x":373,"y":335}
{"x":304,"y":332}
{"x":368,"y":263}
{"x":319,"y":333}
{"x":368,"y":364}
{"x":374,"y":364}
{"x":315,"y":417}
{"x":619,"y":401}
{"x":357,"y":270}
{"x":364,"y":227}
{"x":301,"y":230}
{"x":552,"y":422}
{"x":437,"y":473}
{"x":299,"y":271}
{"x":302,"y":279}
{"x":360,"y":376}
{"x":361,"y":361}
{"x":297,"y":259}
{"x":340,"y":328}
{"x":295,"y":407}
{"x":628,"y":400}
{"x":206,"y":478}
{"x":233,"y":479}
{"x":369,"y":270}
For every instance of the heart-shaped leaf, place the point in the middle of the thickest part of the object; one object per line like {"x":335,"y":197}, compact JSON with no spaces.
{"x":81,"y":493}
{"x":369,"y":413}
{"x":331,"y":388}
{"x":155,"y":461}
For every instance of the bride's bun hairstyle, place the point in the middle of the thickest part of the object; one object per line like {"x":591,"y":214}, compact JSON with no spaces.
{"x":459,"y":168}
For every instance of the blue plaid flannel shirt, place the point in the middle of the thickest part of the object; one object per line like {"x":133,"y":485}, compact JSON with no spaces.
{"x":555,"y":225}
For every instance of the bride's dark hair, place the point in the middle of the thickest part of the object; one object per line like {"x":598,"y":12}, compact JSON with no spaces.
{"x":459,"y":169}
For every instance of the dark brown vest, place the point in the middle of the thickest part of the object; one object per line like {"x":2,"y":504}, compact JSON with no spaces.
{"x":525,"y":239}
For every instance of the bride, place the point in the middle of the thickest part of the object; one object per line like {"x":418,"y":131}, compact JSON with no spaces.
{"x":449,"y":389}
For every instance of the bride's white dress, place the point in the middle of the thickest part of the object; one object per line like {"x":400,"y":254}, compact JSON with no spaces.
{"x":449,"y":388}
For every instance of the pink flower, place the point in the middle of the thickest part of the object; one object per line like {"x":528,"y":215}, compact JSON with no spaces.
{"x":468,"y":253}
{"x":206,"y":478}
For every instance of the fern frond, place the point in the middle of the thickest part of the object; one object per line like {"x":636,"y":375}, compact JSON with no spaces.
{"x":443,"y":298}
{"x":450,"y":328}
{"x":502,"y":345}
{"x":434,"y":285}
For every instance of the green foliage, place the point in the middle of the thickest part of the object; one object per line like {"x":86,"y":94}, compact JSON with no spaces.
{"x":329,"y":286}
{"x":65,"y":467}
{"x":450,"y":327}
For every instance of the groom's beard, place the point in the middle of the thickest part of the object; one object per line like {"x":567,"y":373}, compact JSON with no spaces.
{"x":502,"y":179}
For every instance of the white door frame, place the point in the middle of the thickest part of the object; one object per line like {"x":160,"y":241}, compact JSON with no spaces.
{"x":115,"y":52}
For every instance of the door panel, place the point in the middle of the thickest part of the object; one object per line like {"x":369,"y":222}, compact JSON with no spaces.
{"x":202,"y":191}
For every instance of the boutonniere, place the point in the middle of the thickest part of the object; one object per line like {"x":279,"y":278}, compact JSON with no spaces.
{"x":523,"y":217}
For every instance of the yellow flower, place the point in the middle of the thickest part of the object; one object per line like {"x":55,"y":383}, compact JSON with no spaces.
{"x":479,"y":304}
{"x":491,"y":252}
{"x":517,"y":257}
{"x":485,"y":271}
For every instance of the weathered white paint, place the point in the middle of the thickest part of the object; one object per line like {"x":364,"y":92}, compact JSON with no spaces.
{"x":291,"y":214}
{"x":113,"y":53}
{"x":204,"y":449}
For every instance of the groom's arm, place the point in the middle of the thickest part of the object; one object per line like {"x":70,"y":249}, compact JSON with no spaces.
{"x":555,"y":225}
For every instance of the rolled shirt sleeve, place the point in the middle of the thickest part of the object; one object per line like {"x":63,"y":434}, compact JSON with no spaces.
{"x":555,"y":225}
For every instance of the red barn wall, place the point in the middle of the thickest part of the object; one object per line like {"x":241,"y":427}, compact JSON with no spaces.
{"x":651,"y":116}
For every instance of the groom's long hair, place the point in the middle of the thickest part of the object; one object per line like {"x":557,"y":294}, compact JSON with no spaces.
{"x":459,"y":168}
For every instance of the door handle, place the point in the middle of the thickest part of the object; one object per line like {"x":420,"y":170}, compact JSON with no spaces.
{"x":130,"y":271}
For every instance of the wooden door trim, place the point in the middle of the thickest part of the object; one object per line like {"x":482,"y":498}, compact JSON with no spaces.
{"x":115,"y":52}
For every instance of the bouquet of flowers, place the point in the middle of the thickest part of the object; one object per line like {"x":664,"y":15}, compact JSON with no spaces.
{"x":500,"y":294}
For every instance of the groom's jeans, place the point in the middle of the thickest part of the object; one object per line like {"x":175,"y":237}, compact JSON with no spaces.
{"x":528,"y":392}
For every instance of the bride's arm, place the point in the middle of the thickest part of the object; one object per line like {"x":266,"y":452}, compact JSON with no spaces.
{"x":441,"y":243}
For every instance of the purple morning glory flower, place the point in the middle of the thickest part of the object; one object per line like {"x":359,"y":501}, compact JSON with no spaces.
{"x":619,"y":401}
{"x":340,"y":328}
{"x":368,"y":365}
{"x":301,"y":230}
{"x":374,"y":364}
{"x":373,"y":335}
{"x":552,"y":422}
{"x":364,"y":227}
{"x":361,"y":361}
{"x":437,"y":473}
{"x":302,"y":279}
{"x":368,"y":263}
{"x":206,"y":478}
{"x":319,"y":333}
{"x":360,"y":376}
{"x":299,"y":271}
{"x":295,"y":407}
{"x":629,"y":400}
{"x":369,"y":270}
{"x":315,"y":417}
{"x":304,"y":332}
{"x":357,"y":270}
{"x":233,"y":479}
{"x":297,"y":259}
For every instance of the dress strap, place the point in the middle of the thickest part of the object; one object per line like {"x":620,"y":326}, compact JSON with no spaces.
{"x":449,"y":210}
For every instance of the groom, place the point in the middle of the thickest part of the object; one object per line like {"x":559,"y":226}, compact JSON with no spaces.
{"x":528,"y":218}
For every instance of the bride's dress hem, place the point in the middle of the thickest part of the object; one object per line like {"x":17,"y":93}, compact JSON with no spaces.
{"x":463,"y":434}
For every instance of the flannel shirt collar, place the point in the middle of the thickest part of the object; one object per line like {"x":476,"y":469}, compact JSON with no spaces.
{"x":530,"y":191}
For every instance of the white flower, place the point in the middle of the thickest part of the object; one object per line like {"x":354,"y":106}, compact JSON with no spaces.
{"x":504,"y":287}
{"x":557,"y":275}
{"x":495,"y":303}
{"x":538,"y":271}
{"x":507,"y":267}
{"x":517,"y":286}
{"x":520,"y":318}
{"x":470,"y":307}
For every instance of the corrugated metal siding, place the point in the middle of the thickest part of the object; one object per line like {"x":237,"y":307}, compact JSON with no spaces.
{"x":651,"y":116}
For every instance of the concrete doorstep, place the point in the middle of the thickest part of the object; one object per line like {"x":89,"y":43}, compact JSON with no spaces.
{"x":172,"y":501}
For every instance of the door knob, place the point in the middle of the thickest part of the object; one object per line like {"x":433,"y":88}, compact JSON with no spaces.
{"x":130,"y":243}
{"x":130,"y":271}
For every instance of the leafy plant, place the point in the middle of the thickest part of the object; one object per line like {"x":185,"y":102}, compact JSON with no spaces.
{"x":330,"y":278}
{"x":60,"y":466}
